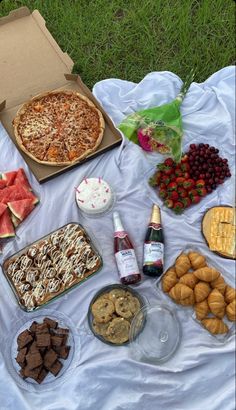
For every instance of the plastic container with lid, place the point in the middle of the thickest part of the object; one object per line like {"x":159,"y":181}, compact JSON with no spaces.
{"x":155,"y":334}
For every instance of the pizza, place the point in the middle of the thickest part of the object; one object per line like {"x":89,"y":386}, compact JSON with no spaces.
{"x":58,"y":127}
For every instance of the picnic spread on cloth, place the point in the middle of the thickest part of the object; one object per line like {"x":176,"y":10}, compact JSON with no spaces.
{"x":117,"y":236}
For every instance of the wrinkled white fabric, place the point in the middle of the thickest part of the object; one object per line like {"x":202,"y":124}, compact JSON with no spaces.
{"x":201,"y":375}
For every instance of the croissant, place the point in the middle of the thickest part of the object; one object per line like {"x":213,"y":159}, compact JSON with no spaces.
{"x":207,"y":274}
{"x":189,"y":279}
{"x":201,"y":309}
{"x":215,"y":325}
{"x":169,"y":280}
{"x":231,"y":311}
{"x":230,"y":294}
{"x":219,"y":284}
{"x":201,"y":291}
{"x":180,"y":291}
{"x":189,"y":301}
{"x":216,"y":303}
{"x":182,"y":265}
{"x":197,"y":260}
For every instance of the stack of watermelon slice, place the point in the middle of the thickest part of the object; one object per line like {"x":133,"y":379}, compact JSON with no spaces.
{"x":16,"y":201}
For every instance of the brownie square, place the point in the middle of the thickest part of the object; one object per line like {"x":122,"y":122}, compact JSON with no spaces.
{"x":57,"y":340}
{"x":65,"y":337}
{"x":63,"y":351}
{"x":21,"y":356}
{"x":50,"y":358}
{"x":43,"y":339}
{"x":41,"y":328}
{"x":23,"y":339}
{"x":52,"y":324}
{"x":62,"y":331}
{"x":33,"y":347}
{"x":33,"y":326}
{"x":55,"y":368}
{"x":33,"y":360}
{"x":32,"y":373}
{"x":42,"y":375}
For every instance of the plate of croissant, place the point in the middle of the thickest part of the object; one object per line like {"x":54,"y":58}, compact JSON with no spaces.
{"x":191,"y":282}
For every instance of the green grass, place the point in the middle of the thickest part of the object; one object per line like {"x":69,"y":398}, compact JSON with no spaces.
{"x":129,"y":38}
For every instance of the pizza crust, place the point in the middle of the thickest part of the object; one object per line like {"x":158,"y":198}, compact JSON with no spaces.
{"x":23,"y":109}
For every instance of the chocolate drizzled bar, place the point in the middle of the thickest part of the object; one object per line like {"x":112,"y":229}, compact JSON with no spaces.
{"x":39,"y":349}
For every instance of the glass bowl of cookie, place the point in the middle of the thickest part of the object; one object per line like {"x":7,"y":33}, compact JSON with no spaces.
{"x":111,"y":312}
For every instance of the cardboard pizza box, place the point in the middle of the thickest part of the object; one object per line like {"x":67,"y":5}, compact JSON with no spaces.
{"x":31,"y":62}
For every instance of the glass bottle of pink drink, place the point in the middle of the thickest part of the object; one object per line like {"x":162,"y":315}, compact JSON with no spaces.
{"x":124,"y":253}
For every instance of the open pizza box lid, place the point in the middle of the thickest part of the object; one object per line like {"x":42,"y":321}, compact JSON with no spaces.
{"x":31,"y":62}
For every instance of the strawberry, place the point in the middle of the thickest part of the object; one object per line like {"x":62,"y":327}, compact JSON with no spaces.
{"x":196,"y":199}
{"x":169,"y":203}
{"x":202,"y":191}
{"x":178,"y":172}
{"x":178,"y":207}
{"x":192,"y":193}
{"x":163,"y":193}
{"x":186,"y":201}
{"x":180,"y":181}
{"x":185,"y":167}
{"x":162,"y":185}
{"x":172,"y":186}
{"x":172,"y":177}
{"x":152,"y":181}
{"x":169,"y":162}
{"x":155,"y":180}
{"x":186,"y":175}
{"x":189,"y":184}
{"x":165,"y":179}
{"x":184,"y":158}
{"x":173,"y":195}
{"x":200,"y":183}
{"x":182,"y":192}
{"x":167,"y":170}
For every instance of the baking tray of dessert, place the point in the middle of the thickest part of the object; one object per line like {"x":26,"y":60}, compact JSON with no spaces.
{"x":52,"y":266}
{"x":197,"y":282}
{"x":41,"y":351}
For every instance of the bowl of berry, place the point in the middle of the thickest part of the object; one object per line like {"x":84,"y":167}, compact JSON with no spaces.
{"x":199,"y":173}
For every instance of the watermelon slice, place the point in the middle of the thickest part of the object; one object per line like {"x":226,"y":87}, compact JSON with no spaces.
{"x":3,"y":207}
{"x":15,"y":220}
{"x":6,"y":227}
{"x":21,"y":209}
{"x":2,"y":183}
{"x":22,"y":180}
{"x":9,"y":177}
{"x":16,"y":192}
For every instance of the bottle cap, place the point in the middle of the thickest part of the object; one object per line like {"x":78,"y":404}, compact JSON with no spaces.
{"x":156,"y":214}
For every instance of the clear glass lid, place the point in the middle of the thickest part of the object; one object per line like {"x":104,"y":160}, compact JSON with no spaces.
{"x":154,"y":334}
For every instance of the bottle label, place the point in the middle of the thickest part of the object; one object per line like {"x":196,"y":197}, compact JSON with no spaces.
{"x":126,"y":263}
{"x":120,"y":234}
{"x":153,"y":253}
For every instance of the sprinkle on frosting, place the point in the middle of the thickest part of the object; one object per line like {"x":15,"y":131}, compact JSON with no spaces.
{"x":95,"y":196}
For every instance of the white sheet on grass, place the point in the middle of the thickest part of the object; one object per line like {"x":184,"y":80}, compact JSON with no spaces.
{"x":201,"y":374}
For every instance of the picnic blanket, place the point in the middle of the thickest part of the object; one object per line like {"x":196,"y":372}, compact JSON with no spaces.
{"x":201,"y":375}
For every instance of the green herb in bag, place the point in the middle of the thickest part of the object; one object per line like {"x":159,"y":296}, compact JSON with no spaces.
{"x":158,"y":129}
